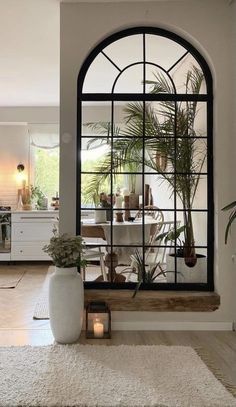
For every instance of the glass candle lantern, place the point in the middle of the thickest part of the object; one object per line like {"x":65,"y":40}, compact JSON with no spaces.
{"x":98,"y":320}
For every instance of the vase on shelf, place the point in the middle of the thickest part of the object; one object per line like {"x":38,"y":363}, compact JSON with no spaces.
{"x":100,"y":215}
{"x":27,"y":207}
{"x":19,"y":204}
{"x":133,"y":200}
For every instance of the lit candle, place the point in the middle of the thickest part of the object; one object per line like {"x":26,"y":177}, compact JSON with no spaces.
{"x":98,"y":329}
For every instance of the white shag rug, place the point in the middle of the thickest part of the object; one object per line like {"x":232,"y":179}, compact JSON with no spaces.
{"x":102,"y":376}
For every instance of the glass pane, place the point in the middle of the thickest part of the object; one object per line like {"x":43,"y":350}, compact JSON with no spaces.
{"x":191,"y":155}
{"x":162,"y":51}
{"x":100,"y":76}
{"x":192,"y":190}
{"x":92,"y":188}
{"x":122,"y":265}
{"x":201,"y":196}
{"x":200,"y":228}
{"x":191,"y":119}
{"x":96,"y":119}
{"x":128,"y":143}
{"x":155,"y":263}
{"x":200,"y":120}
{"x":126,"y":51}
{"x":127,"y":154}
{"x":93,"y":268}
{"x":188,"y":76}
{"x":159,"y":136}
{"x":196,"y":273}
{"x":95,"y":155}
{"x":195,"y":235}
{"x":127,"y":191}
{"x":131,"y":80}
{"x":128,"y":119}
{"x":159,"y":191}
{"x":157,"y":80}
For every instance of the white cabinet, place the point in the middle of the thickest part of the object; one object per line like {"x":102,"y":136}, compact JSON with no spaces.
{"x":30,"y":232}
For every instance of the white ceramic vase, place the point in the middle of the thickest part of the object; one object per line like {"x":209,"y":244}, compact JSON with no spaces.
{"x":196,"y":274}
{"x":100,"y":216}
{"x":66,"y":304}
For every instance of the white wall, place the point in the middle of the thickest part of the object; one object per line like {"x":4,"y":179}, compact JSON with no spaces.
{"x":208,"y":26}
{"x":47,"y":114}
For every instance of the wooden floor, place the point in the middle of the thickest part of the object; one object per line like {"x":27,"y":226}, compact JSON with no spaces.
{"x":17,"y":326}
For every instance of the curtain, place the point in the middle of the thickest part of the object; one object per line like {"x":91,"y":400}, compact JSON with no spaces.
{"x":44,"y":136}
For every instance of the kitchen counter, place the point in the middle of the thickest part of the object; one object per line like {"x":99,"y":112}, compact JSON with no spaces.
{"x":29,"y":232}
{"x":33,"y":211}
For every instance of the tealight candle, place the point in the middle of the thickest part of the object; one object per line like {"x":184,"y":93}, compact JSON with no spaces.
{"x":98,"y":329}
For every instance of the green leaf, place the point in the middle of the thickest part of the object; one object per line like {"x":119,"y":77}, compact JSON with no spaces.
{"x":231,"y":219}
{"x":229,"y":206}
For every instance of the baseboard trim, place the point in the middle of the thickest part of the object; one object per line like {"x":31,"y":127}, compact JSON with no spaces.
{"x":172,"y":326}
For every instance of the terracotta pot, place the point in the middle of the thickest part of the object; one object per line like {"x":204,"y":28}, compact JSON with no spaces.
{"x":27,"y":207}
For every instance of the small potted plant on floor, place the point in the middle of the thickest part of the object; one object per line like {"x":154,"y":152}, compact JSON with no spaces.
{"x":66,"y":295}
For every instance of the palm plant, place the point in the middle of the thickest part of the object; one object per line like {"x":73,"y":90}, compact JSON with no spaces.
{"x":145,"y":273}
{"x":232,"y":217}
{"x":170,"y":133}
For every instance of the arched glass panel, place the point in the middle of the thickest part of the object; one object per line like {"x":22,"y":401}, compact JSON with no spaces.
{"x":125,"y":51}
{"x":163,"y":51}
{"x":145,"y":170}
{"x":130,"y":80}
{"x":103,"y":82}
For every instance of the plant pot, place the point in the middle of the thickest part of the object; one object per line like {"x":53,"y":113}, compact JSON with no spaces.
{"x":185,"y":274}
{"x":100,"y":216}
{"x":27,"y":207}
{"x":66,"y":304}
{"x":133,"y":200}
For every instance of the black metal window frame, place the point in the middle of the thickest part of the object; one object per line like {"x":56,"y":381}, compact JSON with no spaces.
{"x":148,"y":97}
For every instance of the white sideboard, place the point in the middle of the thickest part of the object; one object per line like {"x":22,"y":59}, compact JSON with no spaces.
{"x":30,"y":231}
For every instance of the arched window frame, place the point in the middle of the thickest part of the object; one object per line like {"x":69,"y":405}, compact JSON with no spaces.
{"x":146,"y":97}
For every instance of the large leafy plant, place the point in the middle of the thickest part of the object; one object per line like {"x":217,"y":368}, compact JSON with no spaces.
{"x":169,"y":133}
{"x":66,"y":251}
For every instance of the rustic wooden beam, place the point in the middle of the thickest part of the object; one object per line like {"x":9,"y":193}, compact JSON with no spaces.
{"x":179,"y":301}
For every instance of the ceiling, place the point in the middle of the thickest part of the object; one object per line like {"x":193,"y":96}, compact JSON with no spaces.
{"x":29,"y":52}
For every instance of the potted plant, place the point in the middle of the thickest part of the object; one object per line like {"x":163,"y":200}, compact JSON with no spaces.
{"x":145,"y":273}
{"x":185,"y":153}
{"x":66,"y":296}
{"x":182,"y":273}
{"x":37,"y":197}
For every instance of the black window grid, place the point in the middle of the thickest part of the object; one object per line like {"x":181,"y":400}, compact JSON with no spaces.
{"x":175,"y":97}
